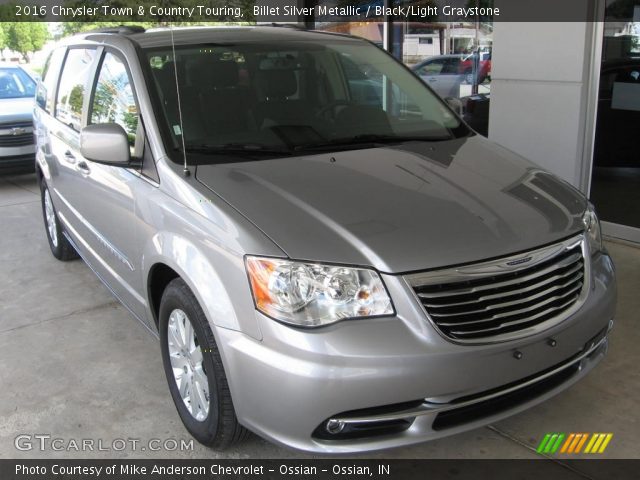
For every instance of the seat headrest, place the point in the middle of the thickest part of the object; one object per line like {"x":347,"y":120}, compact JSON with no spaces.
{"x":198,"y":72}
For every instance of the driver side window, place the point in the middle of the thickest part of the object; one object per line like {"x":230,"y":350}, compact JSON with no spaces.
{"x":114,"y":102}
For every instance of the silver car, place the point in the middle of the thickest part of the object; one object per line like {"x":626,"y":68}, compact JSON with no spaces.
{"x":443,"y":73}
{"x":334,"y":271}
{"x":17,"y":146}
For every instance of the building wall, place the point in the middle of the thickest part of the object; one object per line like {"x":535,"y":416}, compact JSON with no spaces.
{"x":540,"y":93}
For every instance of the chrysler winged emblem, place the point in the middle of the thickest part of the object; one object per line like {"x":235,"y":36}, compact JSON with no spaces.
{"x":519,"y":261}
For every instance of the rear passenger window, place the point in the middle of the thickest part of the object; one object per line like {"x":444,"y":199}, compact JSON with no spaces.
{"x":71,"y":91}
{"x":113,"y":100}
{"x":47,"y":88}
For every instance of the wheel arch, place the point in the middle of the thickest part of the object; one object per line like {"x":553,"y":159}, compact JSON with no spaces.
{"x":225,"y":298}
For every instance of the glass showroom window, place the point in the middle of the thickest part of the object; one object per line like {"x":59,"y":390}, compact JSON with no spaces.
{"x":452,"y":57}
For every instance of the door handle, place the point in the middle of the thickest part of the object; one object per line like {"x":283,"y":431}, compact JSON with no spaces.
{"x":83,"y":168}
{"x":69,"y":157}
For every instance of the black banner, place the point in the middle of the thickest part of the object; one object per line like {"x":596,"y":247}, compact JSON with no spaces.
{"x":323,"y":469}
{"x":319,"y":11}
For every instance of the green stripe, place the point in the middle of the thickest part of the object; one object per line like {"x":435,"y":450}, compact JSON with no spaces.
{"x":543,"y":443}
{"x":547,"y":449}
{"x":558,"y":443}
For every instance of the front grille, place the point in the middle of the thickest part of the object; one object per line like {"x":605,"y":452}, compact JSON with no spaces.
{"x":16,"y":134}
{"x":481,"y":303}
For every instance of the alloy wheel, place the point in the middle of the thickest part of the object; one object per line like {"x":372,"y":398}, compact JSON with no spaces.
{"x":187,"y":364}
{"x":50,"y":217}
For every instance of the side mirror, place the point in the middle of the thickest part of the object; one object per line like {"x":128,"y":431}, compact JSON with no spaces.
{"x":455,"y":104}
{"x":105,"y":143}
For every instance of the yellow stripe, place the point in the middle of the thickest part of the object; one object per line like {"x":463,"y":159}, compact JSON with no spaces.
{"x":584,"y":439}
{"x":567,"y":442}
{"x":590,"y":444}
{"x":574,"y":443}
{"x":598,"y":442}
{"x":606,"y":442}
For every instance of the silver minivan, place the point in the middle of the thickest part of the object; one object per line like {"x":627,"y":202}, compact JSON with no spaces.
{"x":330,"y":257}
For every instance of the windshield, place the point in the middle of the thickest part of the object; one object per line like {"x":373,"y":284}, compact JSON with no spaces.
{"x":15,"y":83}
{"x":272,"y":99}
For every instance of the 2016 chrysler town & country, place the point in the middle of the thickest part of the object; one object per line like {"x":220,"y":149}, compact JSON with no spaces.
{"x":330,"y":257}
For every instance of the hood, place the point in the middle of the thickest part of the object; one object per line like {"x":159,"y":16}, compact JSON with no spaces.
{"x":16,"y":110}
{"x":404,"y":208}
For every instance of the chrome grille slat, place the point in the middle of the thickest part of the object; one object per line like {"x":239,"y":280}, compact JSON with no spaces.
{"x":514,"y":312}
{"x":506,"y":298}
{"x":491,"y":286}
{"x":517,"y":322}
{"x":514,"y":302}
{"x":16,"y":140}
{"x":535,"y":286}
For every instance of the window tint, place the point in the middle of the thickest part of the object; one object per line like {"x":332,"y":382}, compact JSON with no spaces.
{"x":50,"y":73}
{"x":113,"y":100}
{"x":281,"y":96}
{"x":71,"y":91}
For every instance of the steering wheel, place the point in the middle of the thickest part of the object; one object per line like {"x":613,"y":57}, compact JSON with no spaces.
{"x":331,"y":106}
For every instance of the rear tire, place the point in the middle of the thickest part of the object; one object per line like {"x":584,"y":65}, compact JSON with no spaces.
{"x":194,"y":370}
{"x":60,"y":247}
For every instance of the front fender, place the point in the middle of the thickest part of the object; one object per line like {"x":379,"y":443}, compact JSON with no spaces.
{"x":227,"y":303}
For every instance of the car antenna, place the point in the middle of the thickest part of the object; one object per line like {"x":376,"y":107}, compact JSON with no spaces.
{"x":186,"y":172}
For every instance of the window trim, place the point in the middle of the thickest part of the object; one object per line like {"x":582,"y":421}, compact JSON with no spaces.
{"x":91,"y":74}
{"x":94,"y":83}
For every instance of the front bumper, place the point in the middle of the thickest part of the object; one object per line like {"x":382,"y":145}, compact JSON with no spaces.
{"x":18,"y":159}
{"x":288,"y":385}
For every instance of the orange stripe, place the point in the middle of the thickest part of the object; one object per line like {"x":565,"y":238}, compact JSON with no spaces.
{"x":584,"y":439}
{"x":567,"y":442}
{"x":575,"y":442}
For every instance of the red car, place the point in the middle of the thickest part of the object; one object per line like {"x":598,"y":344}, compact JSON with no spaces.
{"x":466,"y":67}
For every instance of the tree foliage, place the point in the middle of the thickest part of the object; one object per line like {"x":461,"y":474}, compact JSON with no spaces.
{"x":3,"y":37}
{"x":25,"y":37}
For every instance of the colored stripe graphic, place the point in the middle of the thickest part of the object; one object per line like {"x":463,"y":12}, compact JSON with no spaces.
{"x":550,"y":443}
{"x":598,"y":442}
{"x":573,"y":443}
{"x":543,"y":443}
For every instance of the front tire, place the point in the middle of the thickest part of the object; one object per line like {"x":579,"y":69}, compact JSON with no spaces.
{"x":194,"y":370}
{"x":58,"y":243}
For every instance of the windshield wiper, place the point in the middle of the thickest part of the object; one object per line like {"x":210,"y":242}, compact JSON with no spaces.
{"x":370,"y":139}
{"x":236,"y":148}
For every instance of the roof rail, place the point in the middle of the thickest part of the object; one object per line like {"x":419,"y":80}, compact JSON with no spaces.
{"x":121,"y":29}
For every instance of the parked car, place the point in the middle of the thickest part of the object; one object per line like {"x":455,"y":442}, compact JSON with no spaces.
{"x":443,"y":73}
{"x":484,"y":67}
{"x":17,"y":145}
{"x":333,"y":274}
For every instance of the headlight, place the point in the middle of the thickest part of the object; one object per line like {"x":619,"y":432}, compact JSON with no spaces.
{"x":313,"y":295}
{"x":592,"y":229}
